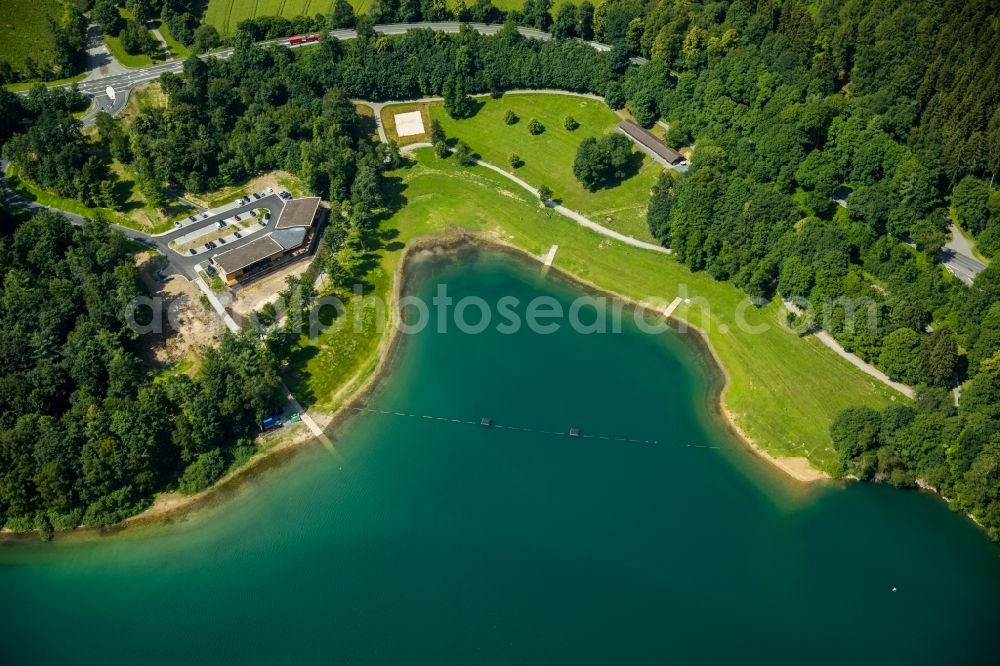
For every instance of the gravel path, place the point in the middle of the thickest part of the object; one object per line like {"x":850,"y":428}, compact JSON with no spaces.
{"x":562,"y":210}
{"x":854,"y":360}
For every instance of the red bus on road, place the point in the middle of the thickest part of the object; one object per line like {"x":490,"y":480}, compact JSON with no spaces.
{"x":303,"y":39}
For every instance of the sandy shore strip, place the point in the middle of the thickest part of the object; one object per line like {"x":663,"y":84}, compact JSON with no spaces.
{"x":170,"y":506}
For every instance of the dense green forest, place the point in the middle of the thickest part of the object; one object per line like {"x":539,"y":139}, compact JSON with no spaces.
{"x":86,"y":434}
{"x":889,"y":107}
{"x":893,"y":107}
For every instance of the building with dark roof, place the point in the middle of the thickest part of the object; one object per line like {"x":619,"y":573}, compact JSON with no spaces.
{"x":298,"y":213}
{"x":233,"y":263}
{"x":650,"y":144}
{"x":292,"y":238}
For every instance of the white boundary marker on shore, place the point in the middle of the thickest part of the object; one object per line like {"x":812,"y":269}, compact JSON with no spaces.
{"x":234,"y":327}
{"x":673,"y":306}
{"x":550,"y":256}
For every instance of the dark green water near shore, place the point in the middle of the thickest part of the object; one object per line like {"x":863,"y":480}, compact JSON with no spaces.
{"x":427,"y":541}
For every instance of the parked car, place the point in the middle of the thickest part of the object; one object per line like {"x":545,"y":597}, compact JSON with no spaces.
{"x":263,"y":222}
{"x":222,"y":241}
{"x":267,"y":217}
{"x":284,"y":194}
{"x":253,"y":213}
{"x":222,"y":224}
{"x":257,"y":195}
{"x":238,"y":234}
{"x":270,"y":423}
{"x":192,"y":251}
{"x":193,"y":218}
{"x":210,"y":269}
{"x":204,"y":215}
{"x":211,"y":245}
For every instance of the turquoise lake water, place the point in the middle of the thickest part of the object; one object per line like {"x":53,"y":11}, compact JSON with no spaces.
{"x":427,"y":541}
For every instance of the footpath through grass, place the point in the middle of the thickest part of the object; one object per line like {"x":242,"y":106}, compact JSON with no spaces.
{"x":177,"y":50}
{"x":784,"y":390}
{"x":548,"y":157}
{"x":114,"y":45}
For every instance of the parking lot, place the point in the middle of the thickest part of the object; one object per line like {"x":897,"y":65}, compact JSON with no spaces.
{"x":234,"y":225}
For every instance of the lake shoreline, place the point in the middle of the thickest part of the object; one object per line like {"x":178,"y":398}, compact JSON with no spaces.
{"x":171,"y":507}
{"x":797,"y":468}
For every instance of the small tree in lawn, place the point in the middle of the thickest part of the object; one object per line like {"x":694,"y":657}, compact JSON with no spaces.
{"x":437,"y":132}
{"x":535,"y":127}
{"x":515,"y":160}
{"x":571,"y":123}
{"x":510,"y":117}
{"x":441,"y":149}
{"x":544,"y":194}
{"x":456,"y":102}
{"x":463,"y":153}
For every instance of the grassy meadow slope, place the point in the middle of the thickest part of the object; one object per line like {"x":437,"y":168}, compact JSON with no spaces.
{"x":226,"y":14}
{"x":784,"y":390}
{"x":548,"y":157}
{"x":24,"y":31}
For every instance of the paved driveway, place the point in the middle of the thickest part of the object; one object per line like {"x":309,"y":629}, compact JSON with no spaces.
{"x":106,"y":71}
{"x":186,"y":263}
{"x":958,"y":257}
{"x":177,"y":263}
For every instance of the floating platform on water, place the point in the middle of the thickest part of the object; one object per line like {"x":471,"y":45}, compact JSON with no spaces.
{"x":574,"y":432}
{"x":486,"y":422}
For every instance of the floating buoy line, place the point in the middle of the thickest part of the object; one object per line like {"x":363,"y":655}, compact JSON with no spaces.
{"x":490,"y":423}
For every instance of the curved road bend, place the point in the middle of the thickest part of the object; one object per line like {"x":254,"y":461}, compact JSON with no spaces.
{"x":124,"y":82}
{"x":182,"y":264}
{"x":959,"y":257}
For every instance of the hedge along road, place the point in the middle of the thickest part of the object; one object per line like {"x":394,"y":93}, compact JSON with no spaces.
{"x":123,"y":83}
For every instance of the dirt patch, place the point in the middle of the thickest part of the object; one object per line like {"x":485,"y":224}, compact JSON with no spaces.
{"x":251,"y":297}
{"x":148,"y":96}
{"x":276,"y":180}
{"x":389,"y":122}
{"x":182,"y":328}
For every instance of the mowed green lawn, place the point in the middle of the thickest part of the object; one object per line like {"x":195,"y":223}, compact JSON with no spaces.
{"x":226,"y":14}
{"x":24,"y":31}
{"x":136,"y":60}
{"x":548,"y":157}
{"x":784,"y":390}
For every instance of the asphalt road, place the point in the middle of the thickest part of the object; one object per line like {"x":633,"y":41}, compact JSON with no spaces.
{"x":958,"y":256}
{"x":186,"y":263}
{"x":97,"y":83}
{"x":95,"y":86}
{"x":180,"y":263}
{"x":962,"y":266}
